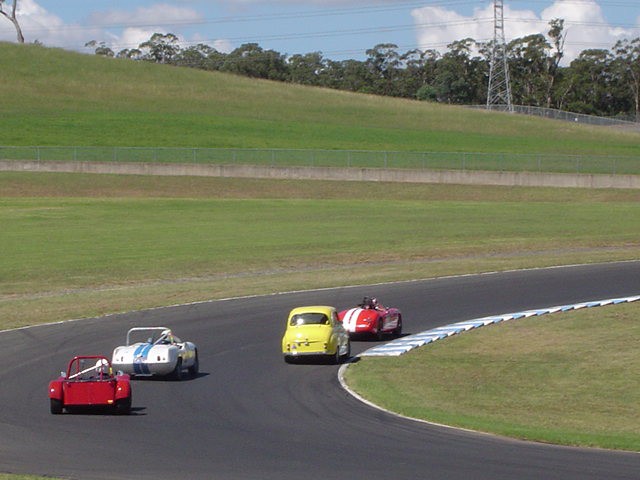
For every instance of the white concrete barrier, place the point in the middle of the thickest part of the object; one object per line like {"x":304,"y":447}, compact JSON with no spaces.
{"x":461,"y":177}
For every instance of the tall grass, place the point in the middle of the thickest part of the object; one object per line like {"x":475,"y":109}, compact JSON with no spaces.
{"x":55,"y":97}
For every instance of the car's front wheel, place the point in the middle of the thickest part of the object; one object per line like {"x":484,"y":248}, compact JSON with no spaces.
{"x":123,"y":406}
{"x":347,"y":354}
{"x":56,"y":406}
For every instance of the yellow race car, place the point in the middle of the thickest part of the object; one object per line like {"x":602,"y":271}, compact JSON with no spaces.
{"x":315,"y":331}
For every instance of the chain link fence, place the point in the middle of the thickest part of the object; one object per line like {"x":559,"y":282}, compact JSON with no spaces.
{"x":508,"y":162}
{"x":555,"y":114}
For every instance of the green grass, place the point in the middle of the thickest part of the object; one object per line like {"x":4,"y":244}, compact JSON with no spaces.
{"x":82,"y":245}
{"x":566,"y":378}
{"x":55,"y":97}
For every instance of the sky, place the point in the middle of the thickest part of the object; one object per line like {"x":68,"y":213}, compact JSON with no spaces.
{"x":339,"y":29}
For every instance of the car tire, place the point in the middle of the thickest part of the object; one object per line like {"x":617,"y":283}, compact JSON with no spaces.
{"x":56,"y":406}
{"x":289,"y":359}
{"x":337,"y":358}
{"x":379,"y":332}
{"x":195,"y":368}
{"x":398,"y":330}
{"x":123,"y":406}
{"x":347,"y":354}
{"x":176,"y":375}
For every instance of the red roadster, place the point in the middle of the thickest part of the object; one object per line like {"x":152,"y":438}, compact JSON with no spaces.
{"x":89,"y":382}
{"x":372,"y":318}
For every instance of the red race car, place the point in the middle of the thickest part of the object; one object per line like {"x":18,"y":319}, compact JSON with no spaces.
{"x":372,"y":318}
{"x":89,"y":382}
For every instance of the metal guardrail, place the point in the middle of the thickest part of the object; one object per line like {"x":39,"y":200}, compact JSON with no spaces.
{"x":507,"y":162}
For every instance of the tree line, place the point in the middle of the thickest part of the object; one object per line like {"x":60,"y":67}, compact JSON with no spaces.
{"x":598,"y":82}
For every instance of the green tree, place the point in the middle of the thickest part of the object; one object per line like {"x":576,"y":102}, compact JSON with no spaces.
{"x":553,"y":62}
{"x":351,"y":75}
{"x":193,"y":57}
{"x":160,"y":48}
{"x":252,"y":61}
{"x":306,"y":69}
{"x":130,"y":53}
{"x":419,"y":70}
{"x":589,"y":78}
{"x":628,"y":67}
{"x":100,"y":48}
{"x":457,"y":74}
{"x":528,"y":65}
{"x":383,"y":63}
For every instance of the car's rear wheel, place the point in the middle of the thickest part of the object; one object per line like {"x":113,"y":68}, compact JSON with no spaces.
{"x":195,"y":368}
{"x":56,"y":406}
{"x":347,"y":354}
{"x":398,"y":330}
{"x":379,"y":333}
{"x":337,"y":357}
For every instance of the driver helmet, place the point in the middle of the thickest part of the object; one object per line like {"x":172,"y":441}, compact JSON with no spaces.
{"x":102,"y":367}
{"x":374,"y":302}
{"x":166,"y":336}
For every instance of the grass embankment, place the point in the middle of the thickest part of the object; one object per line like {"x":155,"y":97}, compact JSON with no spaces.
{"x":82,"y":245}
{"x":56,"y":97}
{"x":566,"y":378}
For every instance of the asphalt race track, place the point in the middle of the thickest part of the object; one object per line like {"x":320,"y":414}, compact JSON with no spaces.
{"x":248,"y":415}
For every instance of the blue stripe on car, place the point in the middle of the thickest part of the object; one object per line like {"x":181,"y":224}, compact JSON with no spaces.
{"x":139,"y":358}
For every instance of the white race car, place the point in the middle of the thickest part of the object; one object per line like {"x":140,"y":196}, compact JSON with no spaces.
{"x":155,"y":351}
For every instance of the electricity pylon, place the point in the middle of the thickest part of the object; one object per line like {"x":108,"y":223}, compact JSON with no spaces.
{"x":499,"y":92}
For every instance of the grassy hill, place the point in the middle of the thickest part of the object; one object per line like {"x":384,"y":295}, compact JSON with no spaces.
{"x":56,"y":97}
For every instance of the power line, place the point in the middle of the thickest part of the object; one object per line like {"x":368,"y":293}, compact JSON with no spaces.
{"x":284,"y":36}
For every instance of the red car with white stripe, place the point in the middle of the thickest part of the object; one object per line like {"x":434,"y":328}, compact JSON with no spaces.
{"x":372,"y":318}
{"x":90,"y":382}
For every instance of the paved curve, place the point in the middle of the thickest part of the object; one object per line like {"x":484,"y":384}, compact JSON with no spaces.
{"x":251,"y":416}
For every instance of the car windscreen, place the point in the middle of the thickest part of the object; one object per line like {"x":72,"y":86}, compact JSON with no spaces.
{"x":144,"y":336}
{"x":311,"y":318}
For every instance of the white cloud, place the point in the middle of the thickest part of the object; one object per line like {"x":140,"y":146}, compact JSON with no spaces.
{"x":223,"y":45}
{"x":35,"y":22}
{"x":118,"y":29}
{"x":585,"y":26}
